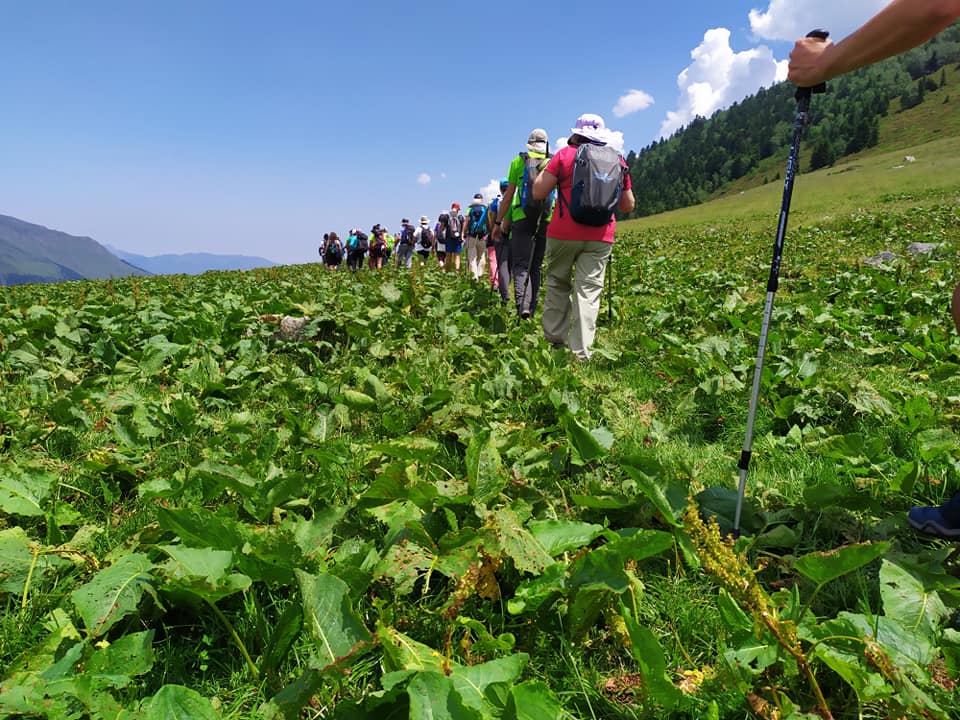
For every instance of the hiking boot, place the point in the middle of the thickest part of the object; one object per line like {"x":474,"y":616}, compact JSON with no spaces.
{"x":930,"y":520}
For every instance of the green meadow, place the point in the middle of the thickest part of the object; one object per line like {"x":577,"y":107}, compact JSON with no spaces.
{"x":412,"y":506}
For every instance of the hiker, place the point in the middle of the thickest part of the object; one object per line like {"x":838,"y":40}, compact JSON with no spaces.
{"x":477,"y":227}
{"x":378,"y":247}
{"x":900,"y":26}
{"x":438,"y":245}
{"x":405,"y":244}
{"x":527,"y":222}
{"x":357,"y":244}
{"x":451,"y":233}
{"x":332,"y":251}
{"x":423,"y":240}
{"x":578,"y":249}
{"x":498,"y":252}
{"x":389,"y":245}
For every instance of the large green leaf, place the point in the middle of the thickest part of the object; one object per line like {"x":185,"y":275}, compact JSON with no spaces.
{"x":935,"y":442}
{"x":202,"y":572}
{"x":508,"y":536}
{"x":589,"y":445}
{"x":559,"y":536}
{"x":910,"y":602}
{"x":119,"y":662}
{"x":484,"y":467}
{"x":24,"y":492}
{"x":531,"y":594}
{"x":653,"y":488}
{"x":585,"y":607}
{"x":533,"y":700}
{"x":198,"y":527}
{"x":20,"y":559}
{"x":175,"y":702}
{"x":114,"y":593}
{"x":472,"y":681}
{"x":157,"y":350}
{"x":605,"y":565}
{"x":837,"y":644}
{"x":403,"y":653}
{"x":330,"y":618}
{"x":822,"y":567}
{"x":434,"y":697}
{"x":653,"y":665}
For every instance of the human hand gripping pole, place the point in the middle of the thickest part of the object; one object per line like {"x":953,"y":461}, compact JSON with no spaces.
{"x":802,"y":96}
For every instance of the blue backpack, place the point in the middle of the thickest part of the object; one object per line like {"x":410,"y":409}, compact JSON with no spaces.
{"x":532,"y":167}
{"x":478,"y":221}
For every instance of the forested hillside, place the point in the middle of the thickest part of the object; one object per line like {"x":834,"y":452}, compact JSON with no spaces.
{"x":708,"y":154}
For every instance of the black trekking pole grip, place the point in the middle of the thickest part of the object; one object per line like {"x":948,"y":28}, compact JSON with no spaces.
{"x":804,"y":93}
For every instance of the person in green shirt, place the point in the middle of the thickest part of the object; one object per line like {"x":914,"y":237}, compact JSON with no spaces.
{"x":528,"y":233}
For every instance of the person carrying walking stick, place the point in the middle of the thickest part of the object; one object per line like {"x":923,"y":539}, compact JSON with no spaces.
{"x":900,"y":26}
{"x":580,"y":235}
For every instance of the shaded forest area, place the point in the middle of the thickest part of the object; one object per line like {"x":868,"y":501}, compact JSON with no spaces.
{"x":703,"y":157}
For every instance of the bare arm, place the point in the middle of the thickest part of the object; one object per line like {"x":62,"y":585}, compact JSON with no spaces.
{"x":506,"y":202}
{"x":503,"y":212}
{"x":627,"y":201}
{"x":901,"y":25}
{"x":543,"y":184}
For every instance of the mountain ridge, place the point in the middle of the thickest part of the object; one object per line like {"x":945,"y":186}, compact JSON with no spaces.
{"x":35,"y":253}
{"x":191,"y":263}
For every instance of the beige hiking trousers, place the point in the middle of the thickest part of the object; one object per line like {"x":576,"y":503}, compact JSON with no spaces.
{"x":575,"y":270}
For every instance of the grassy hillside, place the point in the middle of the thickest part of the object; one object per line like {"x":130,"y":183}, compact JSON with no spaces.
{"x":879,"y":177}
{"x":867,"y":182}
{"x":33,"y":253}
{"x":412,"y":502}
{"x":901,"y":132}
{"x":415,"y":502}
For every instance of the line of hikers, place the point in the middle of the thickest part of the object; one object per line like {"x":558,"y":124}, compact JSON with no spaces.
{"x":445,"y":241}
{"x":556,"y":209}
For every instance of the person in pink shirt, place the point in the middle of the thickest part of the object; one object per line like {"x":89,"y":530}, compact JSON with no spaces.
{"x":577,"y":254}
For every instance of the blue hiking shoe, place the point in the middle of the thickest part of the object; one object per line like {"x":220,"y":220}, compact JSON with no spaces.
{"x":930,"y":520}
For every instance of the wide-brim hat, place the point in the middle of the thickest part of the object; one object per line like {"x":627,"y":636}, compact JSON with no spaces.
{"x":537,"y":142}
{"x":424,"y":220}
{"x":591,"y":127}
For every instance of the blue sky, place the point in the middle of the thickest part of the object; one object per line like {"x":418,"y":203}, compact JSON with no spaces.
{"x":253,"y":128}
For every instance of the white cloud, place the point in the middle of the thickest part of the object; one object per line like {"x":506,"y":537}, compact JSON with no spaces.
{"x":633,"y":101}
{"x":616,"y":140}
{"x":791,"y":19}
{"x":718,"y":77}
{"x":423,"y":179}
{"x":490,"y":190}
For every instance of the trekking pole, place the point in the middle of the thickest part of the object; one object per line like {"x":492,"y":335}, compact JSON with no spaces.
{"x":610,"y":289}
{"x":799,"y":123}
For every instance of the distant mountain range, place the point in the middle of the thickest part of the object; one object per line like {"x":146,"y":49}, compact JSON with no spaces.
{"x":191,"y":263}
{"x":32,"y":253}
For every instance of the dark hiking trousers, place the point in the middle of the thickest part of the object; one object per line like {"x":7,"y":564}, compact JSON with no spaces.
{"x":528,"y":242}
